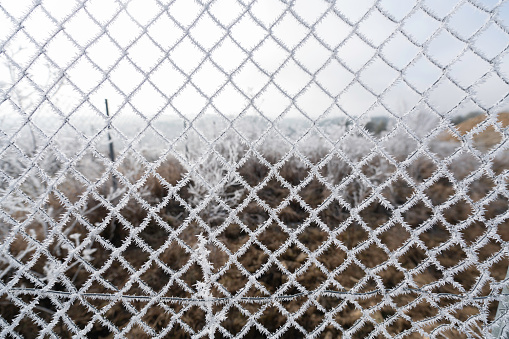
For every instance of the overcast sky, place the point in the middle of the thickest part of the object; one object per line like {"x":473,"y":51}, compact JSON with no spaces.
{"x":309,"y":56}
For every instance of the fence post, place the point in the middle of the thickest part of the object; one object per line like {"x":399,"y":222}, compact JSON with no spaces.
{"x":501,"y":329}
{"x":110,"y":143}
{"x":113,"y":180}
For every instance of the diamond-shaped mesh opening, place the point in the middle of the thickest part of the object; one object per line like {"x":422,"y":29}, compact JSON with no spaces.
{"x":464,"y":165}
{"x":350,"y":276}
{"x":335,"y":170}
{"x":458,"y":212}
{"x":473,"y":232}
{"x":452,"y":256}
{"x":480,"y":187}
{"x":194,"y":317}
{"x":496,"y":268}
{"x":273,"y":154}
{"x":154,"y":233}
{"x":273,"y":193}
{"x":81,"y":313}
{"x":348,"y":315}
{"x":314,"y":193}
{"x":417,"y":214}
{"x":398,"y":192}
{"x":272,"y":319}
{"x":332,"y":257}
{"x":400,"y":145}
{"x":311,"y":318}
{"x":497,"y":208}
{"x":253,"y":171}
{"x":191,"y":275}
{"x":273,"y":237}
{"x":312,"y":278}
{"x":356,"y":191}
{"x":253,"y":259}
{"x":313,"y":236}
{"x":372,"y":256}
{"x":375,"y":215}
{"x":422,"y":311}
{"x":468,"y":278}
{"x":174,"y":256}
{"x":293,"y":215}
{"x":156,"y":277}
{"x":273,"y":278}
{"x":214,"y":213}
{"x":392,"y":277}
{"x":435,"y":235}
{"x":489,"y":249}
{"x":233,"y":280}
{"x":293,"y":258}
{"x":440,"y":191}
{"x":233,"y":237}
{"x":157,"y":318}
{"x":487,"y":140}
{"x":219,"y":258}
{"x":293,"y":127}
{"x":19,"y":245}
{"x":235,"y":322}
{"x":254,"y":216}
{"x":117,"y":274}
{"x":413,"y":257}
{"x":395,"y":237}
{"x":353,"y":235}
{"x":294,"y":171}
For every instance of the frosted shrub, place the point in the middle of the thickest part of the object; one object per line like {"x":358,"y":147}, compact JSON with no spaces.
{"x":211,"y":177}
{"x":204,"y":289}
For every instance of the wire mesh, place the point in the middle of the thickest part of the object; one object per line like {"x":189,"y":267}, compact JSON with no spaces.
{"x":280,"y":169}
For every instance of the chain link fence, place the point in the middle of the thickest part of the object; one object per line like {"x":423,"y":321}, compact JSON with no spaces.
{"x":260,"y":168}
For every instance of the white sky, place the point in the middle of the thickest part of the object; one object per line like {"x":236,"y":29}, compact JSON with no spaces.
{"x":145,"y":70}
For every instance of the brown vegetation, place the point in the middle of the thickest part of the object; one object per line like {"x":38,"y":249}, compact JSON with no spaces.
{"x":488,"y":137}
{"x":339,"y":243}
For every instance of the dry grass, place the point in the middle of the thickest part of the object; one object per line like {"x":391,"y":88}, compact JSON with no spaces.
{"x":350,"y":235}
{"x":488,"y":137}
